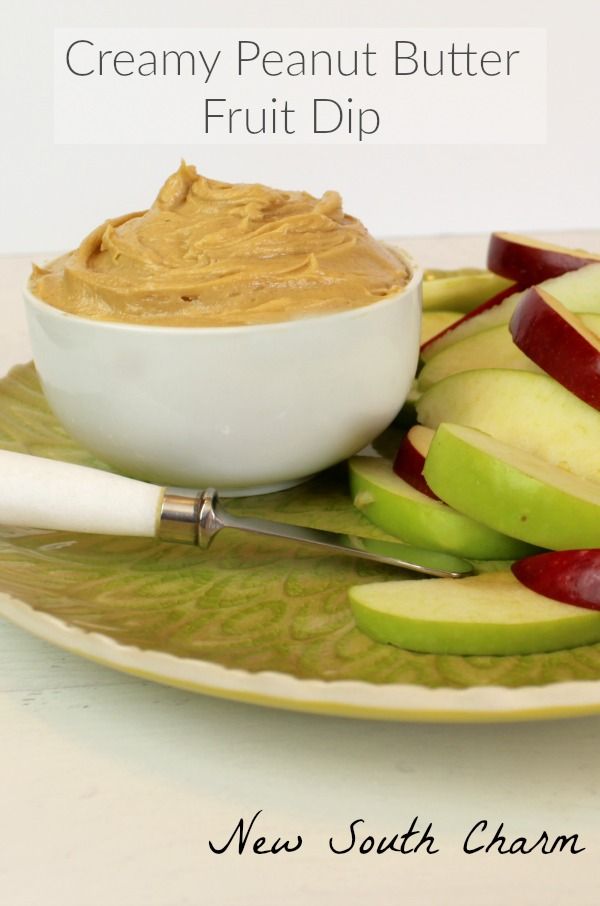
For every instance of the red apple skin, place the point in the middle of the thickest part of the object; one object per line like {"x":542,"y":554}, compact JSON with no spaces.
{"x":547,"y":338}
{"x":520,"y":259}
{"x":572,"y":577}
{"x":408,"y":465}
{"x":489,"y":303}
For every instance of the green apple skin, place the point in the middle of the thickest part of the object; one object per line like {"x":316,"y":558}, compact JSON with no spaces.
{"x":393,"y":505}
{"x":526,"y":410}
{"x":512,"y":491}
{"x":491,"y":614}
{"x":461,"y":290}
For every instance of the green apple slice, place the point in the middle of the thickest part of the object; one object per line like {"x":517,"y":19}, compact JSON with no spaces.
{"x":433,"y":322}
{"x":530,"y":411}
{"x":513,"y":491}
{"x":460,"y":290}
{"x":399,"y":509}
{"x":483,"y":615}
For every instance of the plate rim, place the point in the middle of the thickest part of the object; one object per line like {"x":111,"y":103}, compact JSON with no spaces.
{"x":339,"y":698}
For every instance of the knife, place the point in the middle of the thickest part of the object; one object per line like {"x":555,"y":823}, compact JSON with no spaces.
{"x":47,"y":494}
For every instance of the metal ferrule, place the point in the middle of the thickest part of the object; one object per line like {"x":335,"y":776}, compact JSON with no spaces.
{"x":189,"y":517}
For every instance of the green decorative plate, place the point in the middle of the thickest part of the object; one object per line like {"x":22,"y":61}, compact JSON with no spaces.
{"x":258,"y":620}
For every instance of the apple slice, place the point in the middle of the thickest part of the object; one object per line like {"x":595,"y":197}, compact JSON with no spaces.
{"x":530,"y":411}
{"x":559,"y":342}
{"x":410,"y":458}
{"x":578,"y":291}
{"x":434,"y":322}
{"x":491,"y":614}
{"x":485,"y":314}
{"x":460,"y":290}
{"x":396,"y":507}
{"x":530,"y":261}
{"x":491,"y":348}
{"x":569,"y":576}
{"x":512,"y":491}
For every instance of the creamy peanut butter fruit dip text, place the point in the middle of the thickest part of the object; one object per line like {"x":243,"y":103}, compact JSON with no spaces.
{"x":212,"y":254}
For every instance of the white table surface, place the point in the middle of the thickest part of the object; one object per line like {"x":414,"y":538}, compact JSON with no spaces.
{"x":111,"y":787}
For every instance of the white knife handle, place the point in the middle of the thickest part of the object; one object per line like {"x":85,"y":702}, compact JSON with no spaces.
{"x":46,"y":494}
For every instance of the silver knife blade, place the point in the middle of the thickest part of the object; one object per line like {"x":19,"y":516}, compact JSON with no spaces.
{"x":432,"y":563}
{"x":195,"y":517}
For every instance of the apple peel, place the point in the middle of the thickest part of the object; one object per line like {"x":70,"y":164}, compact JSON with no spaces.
{"x":559,"y":342}
{"x":530,"y":261}
{"x":393,"y":505}
{"x":410,"y":458}
{"x":572,"y":577}
{"x":433,"y":344}
{"x":577,"y":290}
{"x":524,"y":409}
{"x":512,"y":491}
{"x":490,"y":614}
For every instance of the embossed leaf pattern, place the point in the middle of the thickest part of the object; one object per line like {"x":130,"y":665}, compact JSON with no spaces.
{"x":251,"y":603}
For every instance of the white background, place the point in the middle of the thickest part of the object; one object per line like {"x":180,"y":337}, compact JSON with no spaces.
{"x":52,"y":195}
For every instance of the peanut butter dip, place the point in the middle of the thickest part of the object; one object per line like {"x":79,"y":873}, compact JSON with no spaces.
{"x":209,"y":253}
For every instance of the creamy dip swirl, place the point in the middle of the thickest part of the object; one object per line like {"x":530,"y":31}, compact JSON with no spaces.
{"x":210,"y":253}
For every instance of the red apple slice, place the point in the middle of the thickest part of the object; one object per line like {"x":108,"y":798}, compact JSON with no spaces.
{"x":559,"y":343}
{"x":410,"y":459}
{"x":428,"y":348}
{"x":572,"y":577}
{"x":577,"y":290}
{"x":530,"y":261}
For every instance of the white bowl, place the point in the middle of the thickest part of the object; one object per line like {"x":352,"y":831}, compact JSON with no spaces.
{"x":244,"y":409}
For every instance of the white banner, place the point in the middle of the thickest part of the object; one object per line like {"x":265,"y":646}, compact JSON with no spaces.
{"x":300,"y":86}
